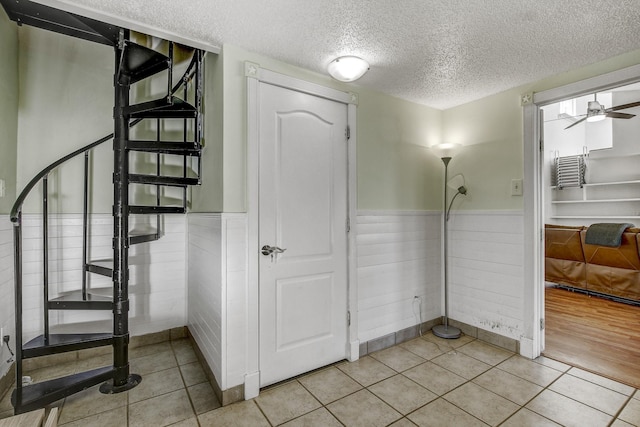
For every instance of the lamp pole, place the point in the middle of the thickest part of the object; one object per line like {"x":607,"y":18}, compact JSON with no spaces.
{"x":445,"y":331}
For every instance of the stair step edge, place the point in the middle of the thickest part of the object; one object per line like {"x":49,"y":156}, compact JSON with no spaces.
{"x":63,"y":343}
{"x":40,"y":394}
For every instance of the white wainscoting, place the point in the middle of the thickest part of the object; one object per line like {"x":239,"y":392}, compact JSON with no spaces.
{"x":157,"y":286}
{"x":486,"y":270}
{"x":204,"y":284}
{"x":398,"y":258}
{"x":217,"y":284}
{"x":6,"y":289}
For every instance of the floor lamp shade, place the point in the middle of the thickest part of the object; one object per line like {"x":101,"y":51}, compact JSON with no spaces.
{"x":445,"y":150}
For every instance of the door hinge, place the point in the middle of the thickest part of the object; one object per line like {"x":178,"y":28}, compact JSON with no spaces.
{"x":541,"y":324}
{"x":541,"y":145}
{"x":347,"y":133}
{"x":348,"y":318}
{"x":348,"y":224}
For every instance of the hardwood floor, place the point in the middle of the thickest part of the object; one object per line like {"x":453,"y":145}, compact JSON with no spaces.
{"x":594,"y":334}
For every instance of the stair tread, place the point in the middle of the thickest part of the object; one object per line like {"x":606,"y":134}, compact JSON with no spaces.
{"x":103,"y":268}
{"x":141,"y":62}
{"x":40,"y":394}
{"x":165,"y":147}
{"x":137,"y":209}
{"x":176,"y":181}
{"x":135,"y":239}
{"x":56,"y":20}
{"x":161,"y":109}
{"x":77,"y":296}
{"x":74,"y":301}
{"x":104,"y":263}
{"x":65,"y":339}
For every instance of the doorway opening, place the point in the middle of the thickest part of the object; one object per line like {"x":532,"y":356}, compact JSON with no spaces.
{"x":590,"y":182}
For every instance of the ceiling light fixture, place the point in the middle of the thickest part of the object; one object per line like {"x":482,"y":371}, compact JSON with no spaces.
{"x":595,"y":112}
{"x":348,"y":68}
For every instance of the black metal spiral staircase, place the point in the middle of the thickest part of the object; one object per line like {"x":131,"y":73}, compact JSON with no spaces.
{"x":133,"y":63}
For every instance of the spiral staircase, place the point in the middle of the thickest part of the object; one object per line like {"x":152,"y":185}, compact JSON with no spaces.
{"x":134,"y":63}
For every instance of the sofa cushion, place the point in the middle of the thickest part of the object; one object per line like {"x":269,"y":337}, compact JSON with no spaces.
{"x":564,"y":243}
{"x":614,"y":271}
{"x":564,"y":259}
{"x":625,"y":256}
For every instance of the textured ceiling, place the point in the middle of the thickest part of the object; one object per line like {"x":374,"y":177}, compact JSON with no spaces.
{"x":440,"y":53}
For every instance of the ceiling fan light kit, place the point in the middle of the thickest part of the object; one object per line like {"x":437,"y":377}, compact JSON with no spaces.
{"x":347,"y":68}
{"x":597,"y":112}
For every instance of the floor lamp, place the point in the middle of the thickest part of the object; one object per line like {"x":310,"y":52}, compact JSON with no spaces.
{"x":445,"y":152}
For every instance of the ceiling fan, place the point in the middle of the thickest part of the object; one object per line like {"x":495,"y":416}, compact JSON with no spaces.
{"x":597,"y":112}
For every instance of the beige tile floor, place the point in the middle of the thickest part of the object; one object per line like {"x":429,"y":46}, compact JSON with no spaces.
{"x":425,"y":382}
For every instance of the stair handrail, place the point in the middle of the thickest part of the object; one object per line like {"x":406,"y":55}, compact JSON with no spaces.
{"x":17,"y":206}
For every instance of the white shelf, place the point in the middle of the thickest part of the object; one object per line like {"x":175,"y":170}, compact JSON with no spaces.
{"x":597,"y":184}
{"x":595,"y":217}
{"x":594,"y":201}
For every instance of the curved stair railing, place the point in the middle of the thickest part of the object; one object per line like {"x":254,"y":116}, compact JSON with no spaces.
{"x":134,"y":63}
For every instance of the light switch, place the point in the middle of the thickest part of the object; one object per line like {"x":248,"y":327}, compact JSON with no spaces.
{"x":2,"y":187}
{"x":516,"y":187}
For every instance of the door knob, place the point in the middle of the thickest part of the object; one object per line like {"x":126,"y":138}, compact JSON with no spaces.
{"x":270,"y":250}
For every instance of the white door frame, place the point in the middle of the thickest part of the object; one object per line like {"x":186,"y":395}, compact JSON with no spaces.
{"x":255,"y":75}
{"x":532,"y":343}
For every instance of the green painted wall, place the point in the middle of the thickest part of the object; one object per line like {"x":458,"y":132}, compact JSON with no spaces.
{"x":208,"y":197}
{"x":394,"y":168}
{"x":66,"y":102}
{"x":8,"y":109}
{"x":491,"y":131}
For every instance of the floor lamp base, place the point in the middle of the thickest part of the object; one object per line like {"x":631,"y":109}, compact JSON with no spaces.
{"x":448,"y":332}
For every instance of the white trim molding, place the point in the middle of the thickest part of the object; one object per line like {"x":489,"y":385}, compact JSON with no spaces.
{"x":532,"y":342}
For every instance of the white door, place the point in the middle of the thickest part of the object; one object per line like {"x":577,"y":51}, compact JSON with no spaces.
{"x":303,"y":211}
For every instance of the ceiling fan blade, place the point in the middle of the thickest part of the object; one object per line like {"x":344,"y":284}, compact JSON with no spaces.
{"x":620,"y":115}
{"x":623,"y":106}
{"x":573,"y":124}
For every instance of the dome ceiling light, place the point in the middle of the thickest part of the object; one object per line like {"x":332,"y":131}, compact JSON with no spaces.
{"x":348,"y":68}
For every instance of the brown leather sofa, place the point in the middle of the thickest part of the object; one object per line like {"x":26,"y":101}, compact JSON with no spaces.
{"x":569,"y":261}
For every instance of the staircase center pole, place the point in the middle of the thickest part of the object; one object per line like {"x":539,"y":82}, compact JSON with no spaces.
{"x":122,"y":380}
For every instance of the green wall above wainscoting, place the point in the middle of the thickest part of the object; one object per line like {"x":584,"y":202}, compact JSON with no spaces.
{"x":8,"y":110}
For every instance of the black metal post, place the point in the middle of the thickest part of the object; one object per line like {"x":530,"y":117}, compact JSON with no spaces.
{"x":122,"y":380}
{"x":85,"y":225}
{"x":185,"y":139}
{"x":198,"y":104}
{"x":45,"y":256}
{"x":16,"y":398}
{"x":158,"y":172}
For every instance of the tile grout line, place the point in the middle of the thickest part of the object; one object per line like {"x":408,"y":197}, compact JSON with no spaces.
{"x":184,"y":383}
{"x":622,"y":408}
